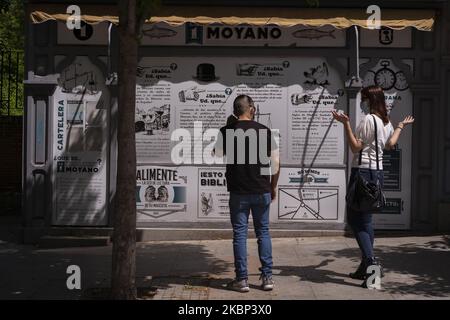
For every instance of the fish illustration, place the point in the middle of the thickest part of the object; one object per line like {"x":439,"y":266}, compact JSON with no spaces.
{"x":158,"y":32}
{"x":313,"y":34}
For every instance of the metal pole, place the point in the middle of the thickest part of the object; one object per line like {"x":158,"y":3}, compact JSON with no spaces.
{"x":357,"y":52}
{"x":109,"y":49}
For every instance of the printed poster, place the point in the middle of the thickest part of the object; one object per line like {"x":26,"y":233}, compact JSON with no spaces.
{"x":213,"y":196}
{"x":310,"y":194}
{"x":195,"y":95}
{"x":79,"y":147}
{"x":161,"y":192}
{"x":181,"y":100}
{"x":397,"y":162}
{"x":314,"y":138}
{"x":153,"y":112}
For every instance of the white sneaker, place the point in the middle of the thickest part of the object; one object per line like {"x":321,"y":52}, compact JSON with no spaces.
{"x":239,"y":285}
{"x":267,"y":283}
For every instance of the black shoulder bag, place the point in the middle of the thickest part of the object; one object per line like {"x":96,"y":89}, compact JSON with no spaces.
{"x":363,"y":195}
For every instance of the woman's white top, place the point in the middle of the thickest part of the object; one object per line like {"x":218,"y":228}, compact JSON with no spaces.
{"x":365,"y":132}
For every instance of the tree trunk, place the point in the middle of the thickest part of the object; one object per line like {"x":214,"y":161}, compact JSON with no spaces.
{"x":124,"y":238}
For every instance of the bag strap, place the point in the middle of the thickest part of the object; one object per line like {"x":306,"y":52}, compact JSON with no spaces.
{"x":360,"y":157}
{"x":376,"y":141}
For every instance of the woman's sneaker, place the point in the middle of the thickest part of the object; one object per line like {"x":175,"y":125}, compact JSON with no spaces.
{"x":360,"y":273}
{"x":239,"y":285}
{"x":373,"y":285}
{"x":267,"y":283}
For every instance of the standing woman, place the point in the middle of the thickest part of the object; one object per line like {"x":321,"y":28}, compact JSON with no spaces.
{"x":363,"y":145}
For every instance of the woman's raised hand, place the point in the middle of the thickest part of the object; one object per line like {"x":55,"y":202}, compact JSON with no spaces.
{"x":341,"y":117}
{"x":407,"y":120}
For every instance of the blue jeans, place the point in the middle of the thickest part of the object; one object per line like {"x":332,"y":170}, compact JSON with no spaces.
{"x":361,"y":222}
{"x":240,"y":206}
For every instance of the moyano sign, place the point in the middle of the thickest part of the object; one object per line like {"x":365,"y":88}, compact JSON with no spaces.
{"x":243,"y":33}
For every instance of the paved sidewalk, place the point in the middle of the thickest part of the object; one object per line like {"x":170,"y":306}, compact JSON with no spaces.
{"x":304,"y":268}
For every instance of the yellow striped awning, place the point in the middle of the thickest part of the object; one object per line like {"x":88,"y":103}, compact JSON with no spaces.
{"x":285,"y":17}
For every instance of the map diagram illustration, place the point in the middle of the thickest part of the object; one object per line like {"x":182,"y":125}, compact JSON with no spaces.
{"x":306,"y":203}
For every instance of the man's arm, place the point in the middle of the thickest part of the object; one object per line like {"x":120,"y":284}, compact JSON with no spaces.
{"x":275,"y":169}
{"x":218,"y":150}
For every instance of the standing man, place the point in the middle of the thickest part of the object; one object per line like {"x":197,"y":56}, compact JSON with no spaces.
{"x":252,"y":172}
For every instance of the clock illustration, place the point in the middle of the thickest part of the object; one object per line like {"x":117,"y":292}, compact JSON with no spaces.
{"x":401,"y":84}
{"x":385,"y":77}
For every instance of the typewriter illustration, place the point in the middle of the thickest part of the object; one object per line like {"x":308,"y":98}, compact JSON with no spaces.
{"x":246,"y":69}
{"x":189,"y":94}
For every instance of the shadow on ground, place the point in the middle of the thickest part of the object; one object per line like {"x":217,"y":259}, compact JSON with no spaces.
{"x":315,"y":273}
{"x":30,"y":273}
{"x":10,"y":228}
{"x":167,"y":266}
{"x":186,"y":270}
{"x":418,"y":269}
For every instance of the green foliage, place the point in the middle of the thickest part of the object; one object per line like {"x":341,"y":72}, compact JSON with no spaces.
{"x":145,"y":9}
{"x":12,"y":17}
{"x":12,"y":43}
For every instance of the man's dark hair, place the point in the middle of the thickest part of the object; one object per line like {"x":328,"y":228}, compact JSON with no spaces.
{"x":242,"y":104}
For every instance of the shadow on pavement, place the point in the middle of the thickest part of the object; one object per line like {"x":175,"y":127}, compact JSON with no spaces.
{"x":179,"y":270}
{"x":315,"y":273}
{"x":10,"y":226}
{"x":30,"y":273}
{"x":419,"y":269}
{"x":186,"y":270}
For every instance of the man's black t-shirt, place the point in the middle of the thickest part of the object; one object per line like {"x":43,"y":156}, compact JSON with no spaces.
{"x":247,"y":167}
